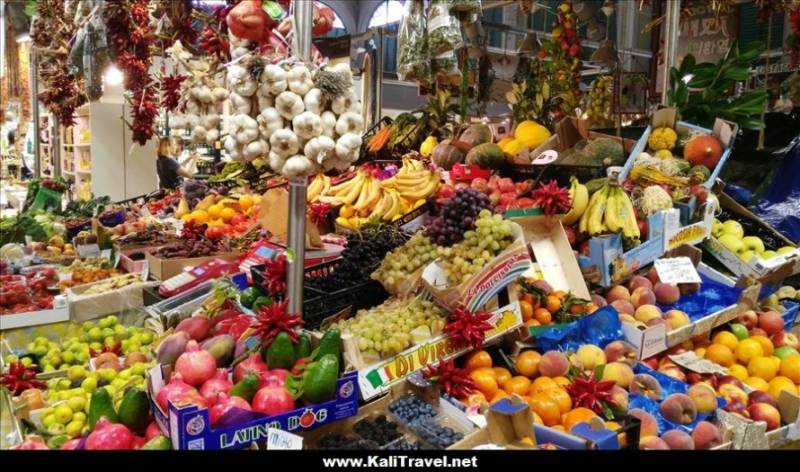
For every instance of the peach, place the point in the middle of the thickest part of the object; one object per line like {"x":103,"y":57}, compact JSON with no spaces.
{"x":623,"y":306}
{"x":626,"y":318}
{"x":706,"y":435}
{"x":653,"y":443}
{"x":649,"y":424}
{"x":646,"y":313}
{"x":678,"y":440}
{"x":618,"y":292}
{"x":647,"y":385}
{"x":553,"y":364}
{"x":618,"y":372}
{"x":656,"y":322}
{"x":757,"y":396}
{"x":749,"y":319}
{"x":666,"y":293}
{"x":590,"y":356}
{"x":731,"y":392}
{"x":598,"y":300}
{"x":639,"y":281}
{"x":704,"y":397}
{"x":643,"y":296}
{"x":679,"y":408}
{"x":673,"y":371}
{"x":676,"y":318}
{"x":688,"y":288}
{"x":620,"y":351}
{"x":737,"y":407}
{"x":766,"y":413}
{"x":771,"y":322}
{"x":729,"y":379}
{"x":652,"y":276}
{"x":619,"y":396}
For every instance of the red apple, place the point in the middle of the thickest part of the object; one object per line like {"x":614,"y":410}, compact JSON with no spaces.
{"x":757,"y":396}
{"x":758,"y":332}
{"x":651,"y":362}
{"x":749,"y":319}
{"x":736,"y":406}
{"x":729,"y":379}
{"x":771,"y":322}
{"x":766,"y":413}
{"x":785,"y":339}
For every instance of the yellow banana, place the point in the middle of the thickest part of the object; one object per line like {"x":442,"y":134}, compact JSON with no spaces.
{"x":346,"y":186}
{"x":372,"y":189}
{"x":355,"y":190}
{"x":390,"y":182}
{"x":611,"y":217}
{"x":583,"y":226}
{"x":595,"y":224}
{"x":422,"y":191}
{"x":326,"y":185}
{"x":314,"y":188}
{"x":579,"y":198}
{"x":394,"y":207}
{"x":412,"y":177}
{"x":630,"y":228}
{"x":363,"y":195}
{"x":381,"y":206}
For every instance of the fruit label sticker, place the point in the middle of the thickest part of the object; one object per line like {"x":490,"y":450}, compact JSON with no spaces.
{"x":279,"y":439}
{"x":677,"y":270}
{"x":545,"y":158}
{"x":377,"y":378}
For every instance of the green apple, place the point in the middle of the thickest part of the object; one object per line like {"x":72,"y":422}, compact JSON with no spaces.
{"x":146,"y":337}
{"x":31,"y":347}
{"x":39,"y":351}
{"x":784,"y":351}
{"x":79,"y":416}
{"x":56,"y":428}
{"x":107,"y":374}
{"x":124,"y":374}
{"x":11,"y":358}
{"x":731,"y":242}
{"x":745,"y":256}
{"x":87,"y":326}
{"x":95,"y":334}
{"x":769,"y":254}
{"x":109,"y":341}
{"x":105,"y":323}
{"x":786,"y":250}
{"x":89,"y":384}
{"x":64,"y":384}
{"x":77,"y":403}
{"x":733,"y":228}
{"x":74,"y":429}
{"x":68,"y":357}
{"x":716,"y":228}
{"x":740,"y":331}
{"x":56,"y":360}
{"x":26,"y":361}
{"x":108,"y":333}
{"x":63,"y":413}
{"x":41,"y":340}
{"x":48,"y":368}
{"x":753,"y":243}
{"x":76,"y":372}
{"x":120,"y":332}
{"x":139,"y":368}
{"x":112,"y":320}
{"x":47,"y":420}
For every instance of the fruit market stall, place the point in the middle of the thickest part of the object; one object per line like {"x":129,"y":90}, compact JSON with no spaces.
{"x":449,"y":278}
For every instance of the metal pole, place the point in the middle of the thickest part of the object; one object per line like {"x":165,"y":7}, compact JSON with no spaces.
{"x":377,"y":78}
{"x":55,"y":143}
{"x":303,"y":19}
{"x":37,"y":166}
{"x":672,"y":24}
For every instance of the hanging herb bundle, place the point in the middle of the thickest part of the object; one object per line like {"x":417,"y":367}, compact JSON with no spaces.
{"x":130,"y":38}
{"x":62,"y":92}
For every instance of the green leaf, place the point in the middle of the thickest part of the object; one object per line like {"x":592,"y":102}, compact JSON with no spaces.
{"x":751,"y":51}
{"x":681,"y":95}
{"x":751,"y":123}
{"x":687,"y":64}
{"x":737,"y":73}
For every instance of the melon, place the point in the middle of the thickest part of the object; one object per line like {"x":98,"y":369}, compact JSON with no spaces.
{"x":487,"y":156}
{"x":703,"y":150}
{"x":512,"y":147}
{"x":445,"y":155}
{"x":531,"y":133}
{"x":476,"y":134}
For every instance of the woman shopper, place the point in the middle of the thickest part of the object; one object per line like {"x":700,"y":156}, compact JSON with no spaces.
{"x":170,"y":172}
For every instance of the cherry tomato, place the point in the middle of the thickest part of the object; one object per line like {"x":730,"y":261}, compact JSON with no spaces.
{"x":213,"y":233}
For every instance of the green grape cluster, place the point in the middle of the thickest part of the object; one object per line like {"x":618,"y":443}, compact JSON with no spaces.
{"x":599,"y":109}
{"x":492,"y":234}
{"x":394,"y":326}
{"x":403,"y":261}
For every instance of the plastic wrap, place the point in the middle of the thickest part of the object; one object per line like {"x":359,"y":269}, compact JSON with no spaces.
{"x":444,"y":36}
{"x":599,"y":328}
{"x":712,"y":297}
{"x":412,"y":44}
{"x":778,"y":205}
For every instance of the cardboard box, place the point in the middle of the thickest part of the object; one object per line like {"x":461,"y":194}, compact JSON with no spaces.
{"x":656,"y":339}
{"x":87,"y":307}
{"x":495,"y":276}
{"x":164,"y":269}
{"x":59,"y":312}
{"x":509,"y":424}
{"x":189,"y":427}
{"x":377,"y":378}
{"x":767,"y":271}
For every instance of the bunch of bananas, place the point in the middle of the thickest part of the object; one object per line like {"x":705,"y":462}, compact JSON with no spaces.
{"x":610,"y":210}
{"x":413,"y":181}
{"x":319,"y":185}
{"x":579,"y":199}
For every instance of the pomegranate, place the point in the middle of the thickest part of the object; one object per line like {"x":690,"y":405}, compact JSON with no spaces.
{"x":109,"y":436}
{"x":217,"y":384}
{"x":273,"y":401}
{"x":225,"y":403}
{"x":195,"y":365}
{"x":71,"y":445}
{"x":171,"y":391}
{"x":252,"y":365}
{"x":31,"y":444}
{"x":138,"y":442}
{"x":152,"y":431}
{"x":274,"y":378}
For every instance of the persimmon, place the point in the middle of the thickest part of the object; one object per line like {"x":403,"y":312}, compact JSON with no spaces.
{"x":478,"y":359}
{"x":485,"y":383}
{"x":578,"y":415}
{"x":527,"y":310}
{"x":541,"y":384}
{"x":501,"y":375}
{"x":518,"y":385}
{"x":546,"y":408}
{"x":527,"y":363}
{"x":560,"y":396}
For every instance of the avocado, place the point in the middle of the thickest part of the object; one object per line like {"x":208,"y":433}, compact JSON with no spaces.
{"x":331,"y":343}
{"x":158,"y":443}
{"x":280,"y":354}
{"x":303,"y":346}
{"x":319,"y":381}
{"x":246,"y":388}
{"x":261,"y":301}
{"x":101,"y":405}
{"x":134,"y":411}
{"x":249,"y":296}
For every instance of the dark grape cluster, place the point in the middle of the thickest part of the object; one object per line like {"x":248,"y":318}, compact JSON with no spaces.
{"x":346,"y":443}
{"x":380,"y":430}
{"x":410,"y":408}
{"x":458,"y":215}
{"x":404,"y":445}
{"x":436,"y":435}
{"x":364,"y":252}
{"x":196,"y":248}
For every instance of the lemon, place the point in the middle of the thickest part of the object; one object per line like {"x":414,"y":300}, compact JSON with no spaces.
{"x":74,"y":429}
{"x":77,"y":403}
{"x":63,"y":414}
{"x":89,"y":384}
{"x":47,"y":420}
{"x":76,"y":372}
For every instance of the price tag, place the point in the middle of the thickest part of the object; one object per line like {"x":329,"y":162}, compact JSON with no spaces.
{"x":145,"y":269}
{"x":677,"y":270}
{"x":690,"y":361}
{"x":547,"y":157}
{"x":278,"y":439}
{"x":88,"y":250}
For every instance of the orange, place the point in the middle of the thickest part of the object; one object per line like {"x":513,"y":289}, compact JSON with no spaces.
{"x":245,"y":202}
{"x":757,"y":383}
{"x":790,"y":368}
{"x":484,"y":382}
{"x":738,"y":371}
{"x":536,"y":418}
{"x":475,"y":398}
{"x":199,"y":217}
{"x":578,"y":415}
{"x":541,"y":384}
{"x":561,"y":381}
{"x":542,"y":316}
{"x":527,"y":310}
{"x":214,"y":211}
{"x":527,"y":363}
{"x":781,"y":383}
{"x":726,"y":338}
{"x":527,"y":298}
{"x":560,"y":294}
{"x":227,"y":214}
{"x":766,"y":344}
{"x":545,"y":407}
{"x":700,"y":352}
{"x":501,"y":375}
{"x":518,"y":385}
{"x":560,"y":396}
{"x":577,"y":308}
{"x":748,"y":349}
{"x":497,"y":396}
{"x":552,"y":303}
{"x":762,"y":367}
{"x":530,"y":323}
{"x":478,"y":359}
{"x":720,"y":354}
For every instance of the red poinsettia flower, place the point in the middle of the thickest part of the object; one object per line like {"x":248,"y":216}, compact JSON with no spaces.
{"x":274,"y":319}
{"x":20,"y":378}
{"x":467,"y":328}
{"x":586,"y":391}
{"x":453,"y":380}
{"x":551,"y":198}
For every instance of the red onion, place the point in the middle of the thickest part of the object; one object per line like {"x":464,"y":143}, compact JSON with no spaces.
{"x":217,"y":384}
{"x":273,"y":401}
{"x":171,"y":391}
{"x":195,"y":365}
{"x":252,"y":365}
{"x":225,"y":403}
{"x":109,"y":436}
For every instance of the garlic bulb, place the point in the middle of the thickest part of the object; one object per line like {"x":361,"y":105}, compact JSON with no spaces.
{"x":269,"y":121}
{"x":211,"y":120}
{"x":199,"y":134}
{"x":255,"y":149}
{"x":246,"y":88}
{"x":349,"y":122}
{"x":329,"y":124}
{"x":240,"y":104}
{"x":343,"y":103}
{"x":319,"y":148}
{"x":284,"y":142}
{"x":307,"y":125}
{"x":297,"y":165}
{"x":299,"y":79}
{"x":313,"y":101}
{"x":229,"y":143}
{"x":348,"y":147}
{"x":219,"y":94}
{"x":289,"y":104}
{"x":276,"y":161}
{"x":212,"y":136}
